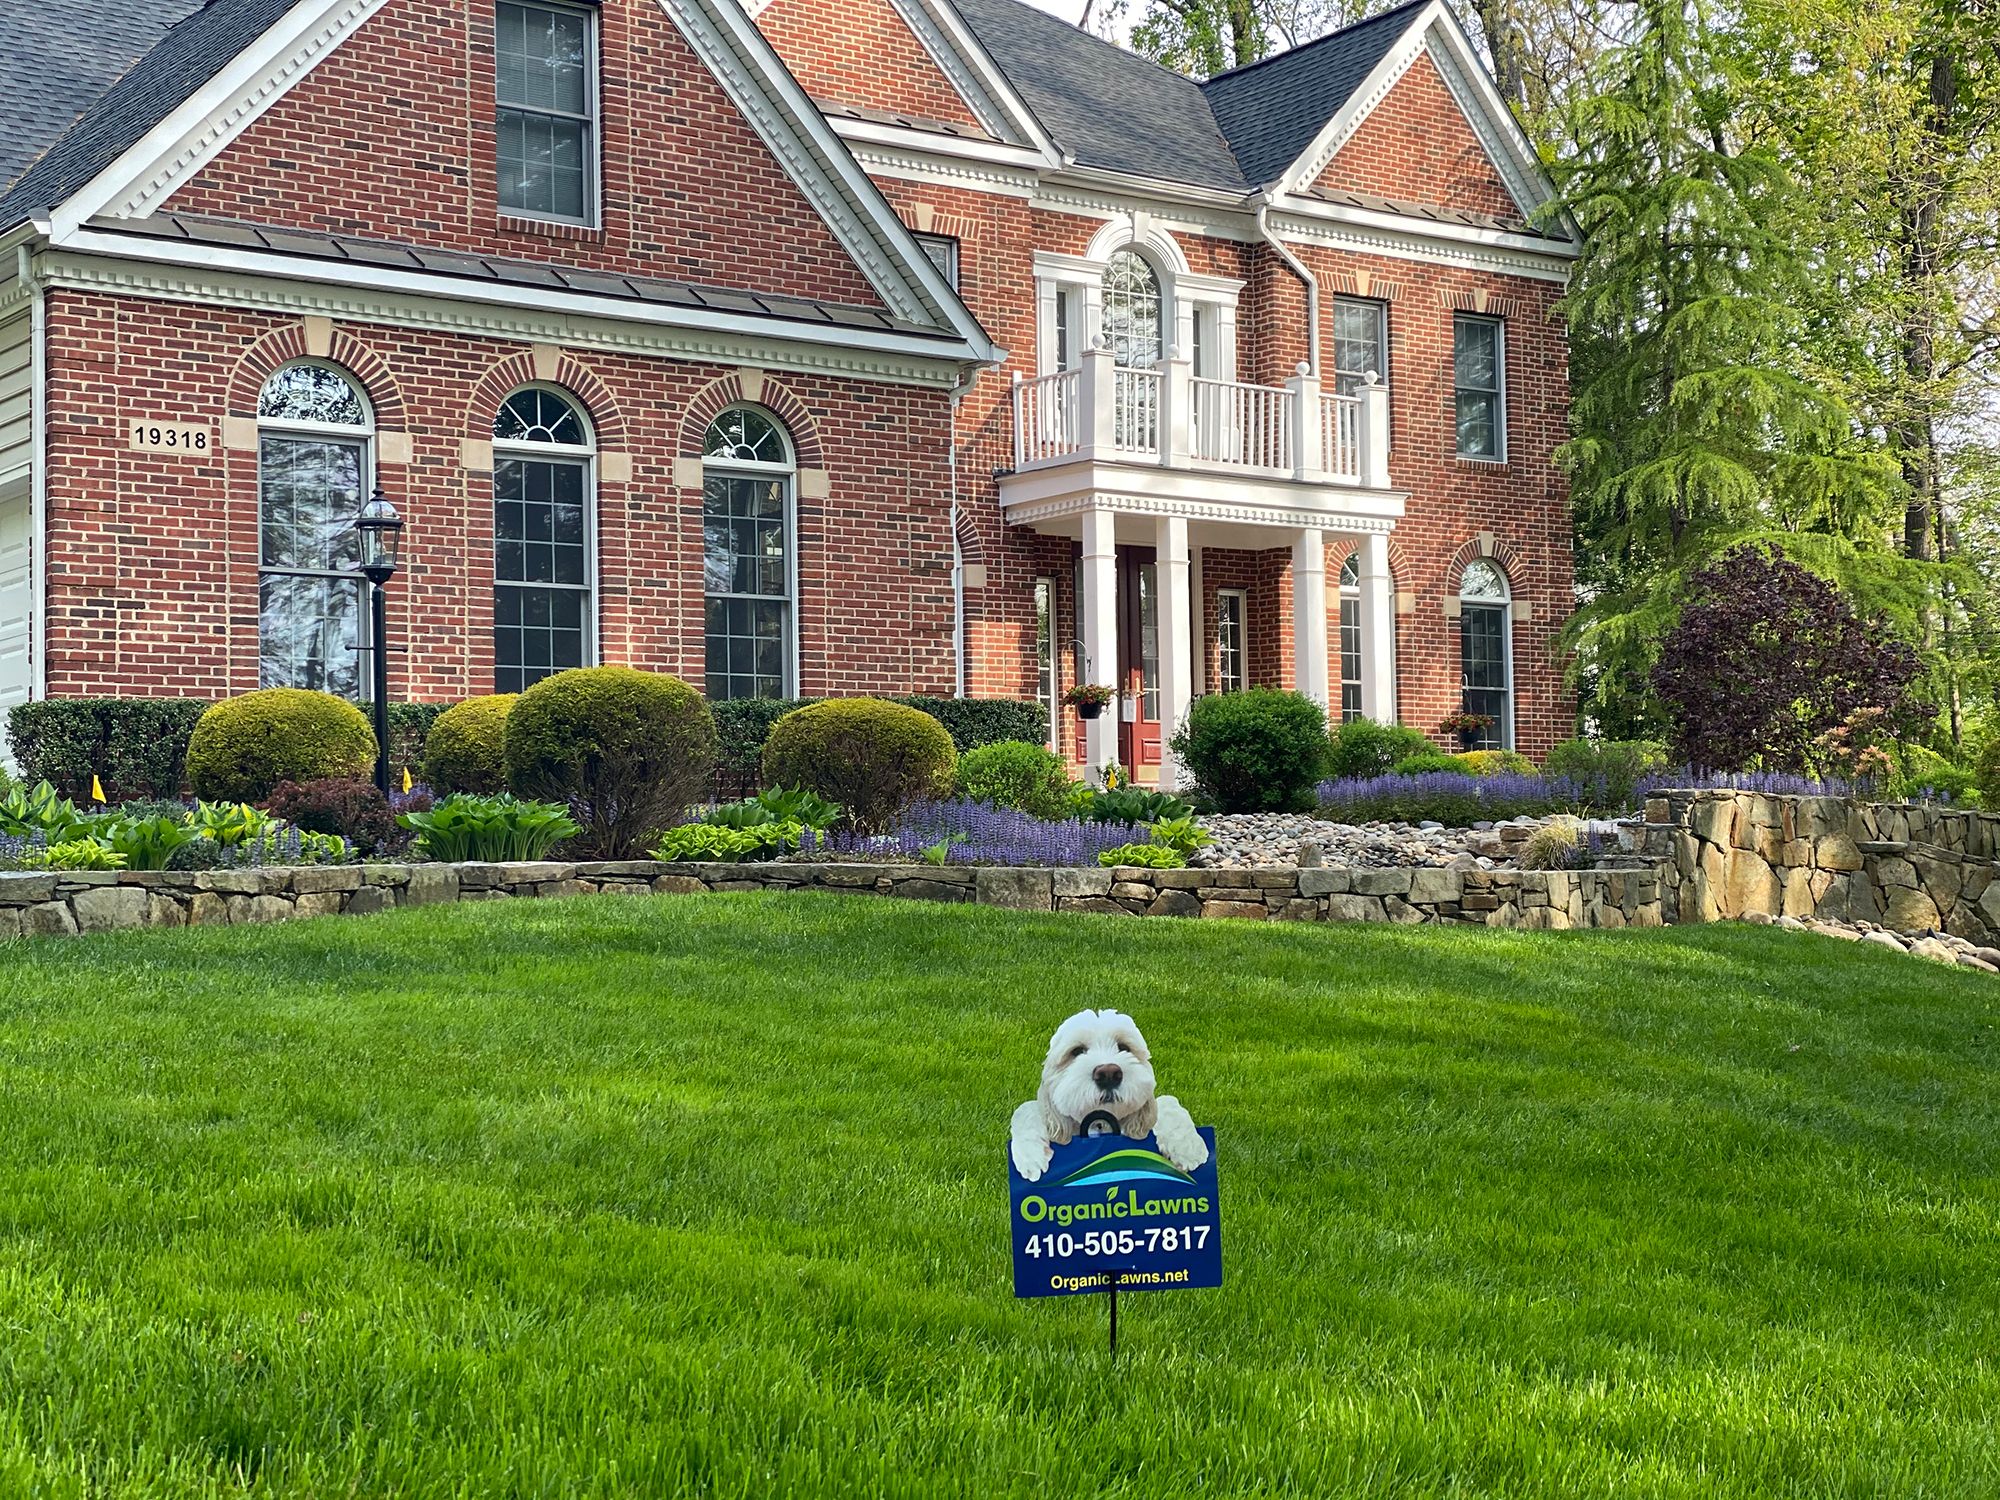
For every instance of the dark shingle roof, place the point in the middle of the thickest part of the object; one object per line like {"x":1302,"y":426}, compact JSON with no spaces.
{"x":1271,"y":110}
{"x":1105,"y":106}
{"x":185,"y":57}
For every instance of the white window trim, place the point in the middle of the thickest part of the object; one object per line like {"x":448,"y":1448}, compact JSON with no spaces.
{"x":593,"y":117}
{"x":1242,"y":598}
{"x":1184,"y":296}
{"x":1505,"y":605}
{"x":788,"y":472}
{"x":1053,"y":701}
{"x":1499,"y":453}
{"x":518,"y":448}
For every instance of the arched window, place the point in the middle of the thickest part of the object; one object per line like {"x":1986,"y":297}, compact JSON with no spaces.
{"x":1133,"y":311}
{"x":314,"y":468}
{"x":543,"y":553}
{"x":1486,"y":650}
{"x":1350,"y":638}
{"x":749,"y":565}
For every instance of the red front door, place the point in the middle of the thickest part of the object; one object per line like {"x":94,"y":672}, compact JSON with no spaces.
{"x":1138,"y":663}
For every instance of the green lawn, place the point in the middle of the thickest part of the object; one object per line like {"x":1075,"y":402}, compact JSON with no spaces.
{"x":707,"y":1196}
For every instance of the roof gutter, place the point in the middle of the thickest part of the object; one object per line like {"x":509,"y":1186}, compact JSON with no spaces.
{"x":1298,"y":269}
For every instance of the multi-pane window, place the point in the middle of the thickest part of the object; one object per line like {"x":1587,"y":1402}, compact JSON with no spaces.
{"x":1479,"y":376}
{"x":1045,"y":651}
{"x":1350,"y":639}
{"x":1231,"y":660}
{"x":942,"y":251}
{"x":1133,"y":309}
{"x":1146,"y":580}
{"x":1360,"y":344}
{"x":1484,"y":657}
{"x":312,"y":472}
{"x":747,"y":547}
{"x":541,"y":539}
{"x":545,"y":88}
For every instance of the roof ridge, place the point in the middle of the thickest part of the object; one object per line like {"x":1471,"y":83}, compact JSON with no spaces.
{"x":1118,"y":47}
{"x":1343,"y":31}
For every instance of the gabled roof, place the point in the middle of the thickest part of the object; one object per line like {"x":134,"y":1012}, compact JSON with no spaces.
{"x":183,"y":58}
{"x":60,"y":57}
{"x":1270,"y":111}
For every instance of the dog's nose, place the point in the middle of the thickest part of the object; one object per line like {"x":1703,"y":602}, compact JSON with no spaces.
{"x":1107,"y":1076}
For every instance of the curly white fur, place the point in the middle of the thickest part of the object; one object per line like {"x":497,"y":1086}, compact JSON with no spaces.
{"x":1098,"y":1062}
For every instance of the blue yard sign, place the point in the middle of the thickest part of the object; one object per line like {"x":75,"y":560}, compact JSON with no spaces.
{"x":1108,"y":1204}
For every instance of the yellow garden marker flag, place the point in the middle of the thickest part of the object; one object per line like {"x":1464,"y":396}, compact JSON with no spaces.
{"x":96,"y":789}
{"x":406,"y":778}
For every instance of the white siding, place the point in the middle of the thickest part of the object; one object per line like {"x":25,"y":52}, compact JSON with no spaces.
{"x":17,"y":435}
{"x":17,"y":446}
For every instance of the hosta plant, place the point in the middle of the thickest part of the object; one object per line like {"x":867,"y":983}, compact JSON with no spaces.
{"x":1183,"y":835}
{"x":41,"y":810}
{"x":231,"y":823}
{"x":497,"y":829}
{"x":1146,"y":856}
{"x":79,"y":854}
{"x":776,"y":805}
{"x":717,"y":841}
{"x":1131,"y":804}
{"x":145,"y":843}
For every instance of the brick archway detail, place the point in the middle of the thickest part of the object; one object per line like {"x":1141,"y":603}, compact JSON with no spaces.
{"x":607,"y":421}
{"x":1497,"y":548}
{"x":752,"y":389}
{"x":287,"y":345}
{"x":1401,"y":565}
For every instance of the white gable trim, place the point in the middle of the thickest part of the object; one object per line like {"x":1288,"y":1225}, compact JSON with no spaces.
{"x":259,"y":76}
{"x":1434,"y":33}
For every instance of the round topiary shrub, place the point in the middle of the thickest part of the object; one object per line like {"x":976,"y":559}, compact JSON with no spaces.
{"x":1015,"y":774}
{"x":1262,"y":750}
{"x":626,"y":750}
{"x":871,"y":756}
{"x":1363,"y":747}
{"x":466,"y":750}
{"x":242,"y":747}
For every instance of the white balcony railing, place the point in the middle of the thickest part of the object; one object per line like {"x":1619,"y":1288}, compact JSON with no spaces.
{"x":1167,"y":416}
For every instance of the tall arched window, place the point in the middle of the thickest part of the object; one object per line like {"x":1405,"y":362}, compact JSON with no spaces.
{"x":1350,"y":638}
{"x":749,"y":565}
{"x":1486,"y":650}
{"x":314,"y":466}
{"x":543,"y":557}
{"x":1133,"y":311}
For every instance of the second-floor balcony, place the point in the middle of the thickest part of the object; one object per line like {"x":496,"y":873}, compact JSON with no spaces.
{"x":1169,"y":416}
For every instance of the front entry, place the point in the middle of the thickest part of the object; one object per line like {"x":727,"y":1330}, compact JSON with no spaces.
{"x":1138,"y":663}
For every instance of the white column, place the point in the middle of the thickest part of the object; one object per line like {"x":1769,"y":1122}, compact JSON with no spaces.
{"x":1309,"y":615}
{"x":1096,"y":423}
{"x":1378,"y":630}
{"x":1176,"y":641}
{"x":1375,"y":434}
{"x":1307,"y":449}
{"x":1176,"y":408}
{"x":1097,"y":585}
{"x":1200,"y":630}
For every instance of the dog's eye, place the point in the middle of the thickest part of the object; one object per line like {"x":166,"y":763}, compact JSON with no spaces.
{"x":1075,"y":1053}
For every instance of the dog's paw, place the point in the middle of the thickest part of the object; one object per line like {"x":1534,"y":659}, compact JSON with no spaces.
{"x":1031,"y":1159}
{"x":1179,"y":1141}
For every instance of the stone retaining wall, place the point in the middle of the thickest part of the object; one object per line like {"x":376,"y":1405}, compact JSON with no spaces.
{"x":1911,"y":867}
{"x":67,"y":903}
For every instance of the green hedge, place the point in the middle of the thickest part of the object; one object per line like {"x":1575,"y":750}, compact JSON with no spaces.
{"x":138,"y":746}
{"x":743,"y":724}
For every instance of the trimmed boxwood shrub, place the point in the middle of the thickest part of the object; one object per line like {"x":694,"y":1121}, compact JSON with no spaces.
{"x":243,"y":747}
{"x":1012,"y":773}
{"x":1261,"y":750}
{"x":626,"y":750}
{"x":743,"y":724}
{"x":136,"y":746}
{"x":466,"y":750}
{"x":871,"y":756}
{"x":1363,"y":747}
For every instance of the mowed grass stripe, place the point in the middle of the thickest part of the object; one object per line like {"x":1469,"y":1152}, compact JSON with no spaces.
{"x":707,"y":1196}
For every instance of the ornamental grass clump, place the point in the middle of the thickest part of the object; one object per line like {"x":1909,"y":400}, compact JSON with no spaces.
{"x":243,"y":747}
{"x":625,"y":751}
{"x":875,"y":758}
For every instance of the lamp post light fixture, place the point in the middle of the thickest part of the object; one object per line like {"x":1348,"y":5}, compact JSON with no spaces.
{"x":379,"y":530}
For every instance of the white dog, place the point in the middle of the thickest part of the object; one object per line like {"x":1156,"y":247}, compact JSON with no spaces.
{"x":1098,"y":1062}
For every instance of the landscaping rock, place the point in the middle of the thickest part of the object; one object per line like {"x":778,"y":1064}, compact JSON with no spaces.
{"x":107,"y":908}
{"x":1018,"y":890}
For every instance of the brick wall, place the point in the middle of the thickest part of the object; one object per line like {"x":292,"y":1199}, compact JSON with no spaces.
{"x":153,"y":559}
{"x":1416,"y":147}
{"x":865,"y":55}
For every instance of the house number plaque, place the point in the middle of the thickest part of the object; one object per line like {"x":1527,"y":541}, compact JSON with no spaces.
{"x":171,"y":437}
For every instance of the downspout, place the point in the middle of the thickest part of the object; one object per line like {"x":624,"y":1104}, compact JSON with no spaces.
{"x":38,"y":471}
{"x":957,"y":552}
{"x":1298,"y":269}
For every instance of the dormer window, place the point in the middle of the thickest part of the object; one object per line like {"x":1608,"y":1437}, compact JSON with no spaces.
{"x":545,"y":90}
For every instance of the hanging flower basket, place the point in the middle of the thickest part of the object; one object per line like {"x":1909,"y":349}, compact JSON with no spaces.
{"x":1469,"y":727}
{"x":1089,"y":699}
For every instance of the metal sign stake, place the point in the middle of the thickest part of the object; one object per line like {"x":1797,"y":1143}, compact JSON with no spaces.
{"x":1114,"y":1312}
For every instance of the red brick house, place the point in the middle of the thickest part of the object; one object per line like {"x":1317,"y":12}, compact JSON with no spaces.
{"x":856,"y":345}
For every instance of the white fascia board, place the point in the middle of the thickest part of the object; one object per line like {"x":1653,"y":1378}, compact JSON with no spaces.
{"x":948,"y":39}
{"x":383,"y":282}
{"x":1373,"y":89}
{"x":188,"y":139}
{"x":918,"y":160}
{"x":905,"y":138}
{"x":1464,"y":72}
{"x":1314,"y":221}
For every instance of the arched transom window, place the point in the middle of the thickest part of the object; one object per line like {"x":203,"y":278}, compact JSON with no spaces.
{"x":544,"y":561}
{"x":314,"y":467}
{"x":749,"y":568}
{"x":1485,"y":645}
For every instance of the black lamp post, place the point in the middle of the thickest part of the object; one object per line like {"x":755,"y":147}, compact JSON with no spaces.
{"x":380,"y":531}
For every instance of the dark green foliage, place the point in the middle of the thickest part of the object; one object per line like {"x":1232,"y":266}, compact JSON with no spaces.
{"x":871,"y":756}
{"x":136,"y":746}
{"x":496,"y":828}
{"x":1263,"y":750}
{"x":242,"y":747}
{"x":409,"y":729}
{"x":1131,"y":804}
{"x":1013,"y":773}
{"x":1986,"y":772}
{"x":743,"y":724}
{"x":627,"y":752}
{"x":1362,"y":747}
{"x":466,"y":749}
{"x":353,"y":808}
{"x":1613,"y":765}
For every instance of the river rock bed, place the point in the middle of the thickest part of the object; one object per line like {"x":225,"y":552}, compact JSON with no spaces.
{"x":1248,"y":840}
{"x":1938,"y":947}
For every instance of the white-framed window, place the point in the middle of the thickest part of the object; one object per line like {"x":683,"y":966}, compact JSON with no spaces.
{"x":1350,"y":639}
{"x":1360,"y":344}
{"x":1232,"y":647}
{"x":315,"y":464}
{"x":1486,"y":650}
{"x":750,"y":569}
{"x":1479,"y":382}
{"x":546,"y":108}
{"x":544,"y":541}
{"x":942,"y":251}
{"x":1045,"y":651}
